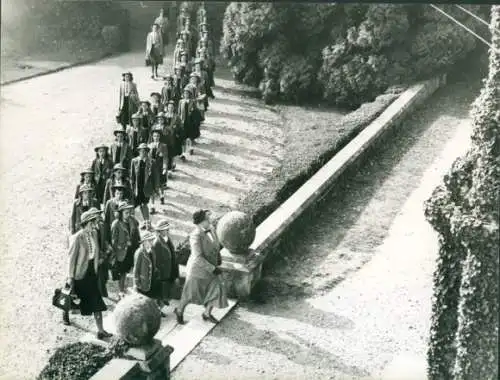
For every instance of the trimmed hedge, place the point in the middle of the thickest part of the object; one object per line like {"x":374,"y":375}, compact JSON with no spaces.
{"x":464,"y":211}
{"x":48,"y":25}
{"x":341,"y":54}
{"x":311,"y":142}
{"x":80,"y":361}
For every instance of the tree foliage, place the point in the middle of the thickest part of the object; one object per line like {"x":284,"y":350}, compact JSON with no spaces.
{"x":355,"y":50}
{"x":465,"y":213}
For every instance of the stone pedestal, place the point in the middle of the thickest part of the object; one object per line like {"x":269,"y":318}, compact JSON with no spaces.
{"x":153,"y":359}
{"x":240,"y":272}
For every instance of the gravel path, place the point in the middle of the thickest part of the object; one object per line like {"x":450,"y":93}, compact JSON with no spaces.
{"x":49,"y":126}
{"x":351,"y":293}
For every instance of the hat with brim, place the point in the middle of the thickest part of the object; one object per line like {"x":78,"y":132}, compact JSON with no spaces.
{"x":125,"y":206}
{"x":157,"y":130}
{"x":127,"y":73}
{"x":145,"y":102}
{"x":170,"y":102}
{"x":87,"y":171}
{"x":183,"y":53}
{"x":89,"y":215}
{"x":199,"y":216}
{"x":118,"y":187}
{"x":118,"y":131}
{"x":179,"y":40}
{"x":155,"y":94}
{"x":118,"y":167}
{"x":162,"y":225}
{"x":148,"y":236}
{"x":101,"y":147}
{"x":143,"y":146}
{"x":194,"y":74}
{"x":160,"y":115}
{"x":167,"y":76}
{"x":136,"y":116}
{"x":84,"y":188}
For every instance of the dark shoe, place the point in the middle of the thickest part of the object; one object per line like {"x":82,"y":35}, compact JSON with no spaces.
{"x":162,"y":200}
{"x":183,"y":158}
{"x":209,"y":318}
{"x":163,"y":315}
{"x":191,"y":152}
{"x":180,"y":317}
{"x":152,"y":77}
{"x":66,"y":321}
{"x":103,"y":335}
{"x":152,"y":211}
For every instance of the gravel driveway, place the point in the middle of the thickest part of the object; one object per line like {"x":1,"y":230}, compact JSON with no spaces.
{"x":49,"y":126}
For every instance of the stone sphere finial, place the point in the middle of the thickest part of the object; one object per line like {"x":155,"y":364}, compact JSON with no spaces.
{"x":236,"y":232}
{"x":137,"y":319}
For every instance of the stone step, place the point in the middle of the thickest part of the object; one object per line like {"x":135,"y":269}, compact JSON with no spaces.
{"x":182,"y":338}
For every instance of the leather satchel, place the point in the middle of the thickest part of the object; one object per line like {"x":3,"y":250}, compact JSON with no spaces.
{"x":63,"y":299}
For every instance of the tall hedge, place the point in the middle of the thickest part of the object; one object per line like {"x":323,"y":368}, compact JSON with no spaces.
{"x":465,"y":213}
{"x":343,"y":54}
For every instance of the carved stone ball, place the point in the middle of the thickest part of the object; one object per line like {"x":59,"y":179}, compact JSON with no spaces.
{"x":137,"y":319}
{"x":236,"y":232}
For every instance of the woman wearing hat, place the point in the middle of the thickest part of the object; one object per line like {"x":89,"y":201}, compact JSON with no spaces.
{"x":84,"y":261}
{"x":167,"y":91}
{"x":129,"y":99}
{"x":180,"y":81}
{"x":154,"y":50}
{"x":158,"y":152}
{"x":186,"y":107}
{"x":203,"y":281}
{"x":137,"y":134}
{"x":173,"y":135}
{"x":118,"y":178}
{"x":147,"y":278}
{"x":159,"y":123}
{"x":121,"y":243}
{"x":185,"y":63}
{"x":102,"y":167}
{"x":144,"y":180}
{"x":147,"y":116}
{"x":156,"y":106}
{"x":111,"y":209}
{"x":179,"y":46}
{"x":164,"y":251}
{"x":120,"y":150}
{"x":84,"y":202}
{"x":86,"y":178}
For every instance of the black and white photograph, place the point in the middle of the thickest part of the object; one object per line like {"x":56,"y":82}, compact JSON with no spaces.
{"x":220,"y":190}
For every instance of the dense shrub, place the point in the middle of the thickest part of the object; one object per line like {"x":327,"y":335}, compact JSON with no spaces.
{"x":49,"y":25}
{"x":355,"y":51}
{"x":112,"y":37}
{"x":464,"y":211}
{"x":77,"y":361}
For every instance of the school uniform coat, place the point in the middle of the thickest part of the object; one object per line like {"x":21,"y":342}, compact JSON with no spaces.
{"x":173,"y":135}
{"x":151,"y":179}
{"x":157,"y":53}
{"x":126,"y":154}
{"x":110,"y":208}
{"x":137,"y":136}
{"x":161,"y":155}
{"x":144,"y":270}
{"x":166,"y":259}
{"x":102,"y":171}
{"x":120,"y":239}
{"x":79,"y":251}
{"x":127,"y":109}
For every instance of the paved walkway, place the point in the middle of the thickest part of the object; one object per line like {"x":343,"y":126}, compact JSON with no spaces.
{"x":49,"y":126}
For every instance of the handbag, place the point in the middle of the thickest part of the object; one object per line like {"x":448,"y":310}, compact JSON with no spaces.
{"x":63,"y":299}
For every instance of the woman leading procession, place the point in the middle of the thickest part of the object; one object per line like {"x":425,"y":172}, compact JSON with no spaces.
{"x":154,"y":50}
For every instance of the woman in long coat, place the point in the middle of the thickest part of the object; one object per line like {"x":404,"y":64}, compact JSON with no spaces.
{"x":86,"y":178}
{"x":154,"y":50}
{"x":147,"y":115}
{"x":129,"y":99}
{"x":103,"y":168}
{"x":84,"y":262}
{"x":204,"y":284}
{"x":173,"y":135}
{"x":118,"y":178}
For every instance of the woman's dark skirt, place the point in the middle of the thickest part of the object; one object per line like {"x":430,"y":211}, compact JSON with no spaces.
{"x":99,"y":190}
{"x":156,"y":290}
{"x":125,"y":112}
{"x":103,"y":277}
{"x":123,"y":267}
{"x":192,"y":126}
{"x":155,"y":56}
{"x":140,"y":198}
{"x":87,"y":290}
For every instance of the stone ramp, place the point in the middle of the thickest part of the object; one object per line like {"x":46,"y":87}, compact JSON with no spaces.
{"x":183,"y":338}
